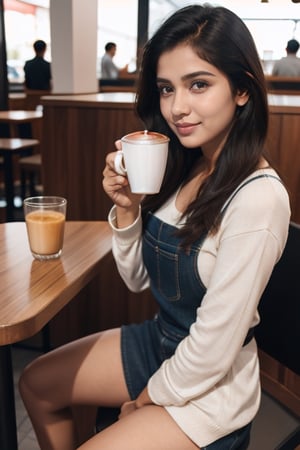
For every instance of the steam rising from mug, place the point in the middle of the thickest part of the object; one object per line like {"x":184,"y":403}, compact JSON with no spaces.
{"x":145,"y":156}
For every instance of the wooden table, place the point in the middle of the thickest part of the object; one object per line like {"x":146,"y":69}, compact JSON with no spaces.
{"x":15,"y":117}
{"x":8,"y":148}
{"x":33,"y":292}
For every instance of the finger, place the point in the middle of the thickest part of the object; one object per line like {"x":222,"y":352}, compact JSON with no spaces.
{"x":118,"y":144}
{"x":110,"y":161}
{"x":114,"y":184}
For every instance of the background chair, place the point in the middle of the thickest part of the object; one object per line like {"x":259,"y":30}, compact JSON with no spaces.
{"x":30,"y":169}
{"x":278,"y":334}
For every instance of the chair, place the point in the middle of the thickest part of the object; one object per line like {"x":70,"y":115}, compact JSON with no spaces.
{"x":278,"y":334}
{"x":105,"y":417}
{"x":30,"y":169}
{"x":9,"y":149}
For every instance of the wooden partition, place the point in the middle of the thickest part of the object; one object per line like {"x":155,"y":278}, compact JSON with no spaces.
{"x":284,"y":144}
{"x":283,"y":85}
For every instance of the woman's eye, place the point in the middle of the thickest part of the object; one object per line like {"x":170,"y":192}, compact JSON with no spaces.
{"x":165,"y":90}
{"x":199,"y":85}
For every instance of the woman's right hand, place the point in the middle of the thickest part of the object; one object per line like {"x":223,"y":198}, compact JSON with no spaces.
{"x":117,"y":188}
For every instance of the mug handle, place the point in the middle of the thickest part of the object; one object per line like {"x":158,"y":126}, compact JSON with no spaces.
{"x":119,"y":167}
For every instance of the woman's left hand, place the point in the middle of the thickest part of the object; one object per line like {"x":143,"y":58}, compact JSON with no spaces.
{"x":142,"y":400}
{"x":127,"y":408}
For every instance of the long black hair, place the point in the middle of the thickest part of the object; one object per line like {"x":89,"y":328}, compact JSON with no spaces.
{"x":221,"y":38}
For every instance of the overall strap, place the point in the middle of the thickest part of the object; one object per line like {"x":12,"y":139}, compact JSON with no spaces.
{"x":265,"y":175}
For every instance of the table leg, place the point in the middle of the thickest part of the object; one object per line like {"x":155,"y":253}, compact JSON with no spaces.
{"x":9,"y":186}
{"x":8,"y":427}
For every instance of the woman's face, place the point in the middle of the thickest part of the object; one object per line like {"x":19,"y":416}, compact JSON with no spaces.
{"x":196,"y":99}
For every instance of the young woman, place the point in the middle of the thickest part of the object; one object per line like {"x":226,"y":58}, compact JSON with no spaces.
{"x":206,"y":245}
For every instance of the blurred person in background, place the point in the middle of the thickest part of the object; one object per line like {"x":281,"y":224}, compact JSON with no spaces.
{"x":38,"y":70}
{"x":289,"y":66}
{"x":109,"y":70}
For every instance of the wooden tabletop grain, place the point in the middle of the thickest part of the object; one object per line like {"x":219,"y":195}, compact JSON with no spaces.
{"x":32,"y":291}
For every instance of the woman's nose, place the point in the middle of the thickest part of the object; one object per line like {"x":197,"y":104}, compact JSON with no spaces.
{"x":180,"y":104}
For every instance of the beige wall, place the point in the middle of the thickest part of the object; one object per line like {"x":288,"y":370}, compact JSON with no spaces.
{"x":73,"y":26}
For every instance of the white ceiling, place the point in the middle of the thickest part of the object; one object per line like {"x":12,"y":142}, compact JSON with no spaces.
{"x":281,"y":9}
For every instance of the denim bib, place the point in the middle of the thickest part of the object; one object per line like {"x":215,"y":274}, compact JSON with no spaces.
{"x":175,"y":281}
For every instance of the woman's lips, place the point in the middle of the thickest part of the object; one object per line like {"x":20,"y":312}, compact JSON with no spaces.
{"x":185,"y":129}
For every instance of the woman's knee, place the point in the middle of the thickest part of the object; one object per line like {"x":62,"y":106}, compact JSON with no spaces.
{"x":40,"y":380}
{"x":28,"y":381}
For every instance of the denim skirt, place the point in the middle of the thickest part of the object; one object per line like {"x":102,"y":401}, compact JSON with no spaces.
{"x":144,"y":347}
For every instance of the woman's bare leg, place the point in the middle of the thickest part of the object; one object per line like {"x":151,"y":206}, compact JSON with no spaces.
{"x":148,"y":428}
{"x":88,"y":371}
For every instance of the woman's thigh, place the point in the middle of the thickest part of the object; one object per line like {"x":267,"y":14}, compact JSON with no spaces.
{"x":86,"y":371}
{"x":148,"y":428}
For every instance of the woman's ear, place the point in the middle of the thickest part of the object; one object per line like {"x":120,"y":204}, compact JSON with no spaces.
{"x":242,"y":98}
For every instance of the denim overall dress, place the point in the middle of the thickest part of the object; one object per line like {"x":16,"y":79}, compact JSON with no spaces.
{"x":177,"y":287}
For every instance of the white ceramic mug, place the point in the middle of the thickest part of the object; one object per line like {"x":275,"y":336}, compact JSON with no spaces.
{"x":144,"y":154}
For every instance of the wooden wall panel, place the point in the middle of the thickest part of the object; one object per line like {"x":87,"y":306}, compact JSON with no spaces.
{"x":284,"y":146}
{"x":273,"y":138}
{"x":77,"y":142}
{"x":290,"y":159}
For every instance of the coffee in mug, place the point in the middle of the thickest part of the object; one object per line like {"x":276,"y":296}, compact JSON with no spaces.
{"x":143,"y":159}
{"x":45,"y":221}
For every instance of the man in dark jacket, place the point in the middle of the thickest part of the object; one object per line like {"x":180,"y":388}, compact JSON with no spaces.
{"x":38,"y":70}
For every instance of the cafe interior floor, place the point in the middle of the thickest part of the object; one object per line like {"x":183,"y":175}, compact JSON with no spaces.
{"x":271,"y":426}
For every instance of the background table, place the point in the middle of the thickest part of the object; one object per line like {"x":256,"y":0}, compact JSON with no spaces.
{"x":33,"y":292}
{"x":16,"y":117}
{"x":9,"y":147}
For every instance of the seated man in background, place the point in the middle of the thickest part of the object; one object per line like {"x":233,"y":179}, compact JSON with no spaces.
{"x":109,"y":70}
{"x":289,"y":66}
{"x":38,"y":70}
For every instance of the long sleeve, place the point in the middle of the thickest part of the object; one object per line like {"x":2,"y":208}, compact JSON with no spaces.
{"x":127,"y":251}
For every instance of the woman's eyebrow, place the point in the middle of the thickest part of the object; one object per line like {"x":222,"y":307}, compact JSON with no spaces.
{"x":200,"y":73}
{"x":188,"y":76}
{"x":162,"y":80}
